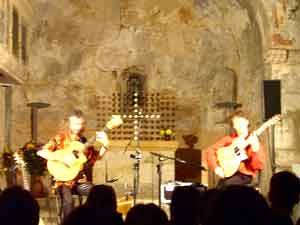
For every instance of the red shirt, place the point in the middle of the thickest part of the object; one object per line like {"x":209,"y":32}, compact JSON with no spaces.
{"x":62,"y":139}
{"x":249,"y":166}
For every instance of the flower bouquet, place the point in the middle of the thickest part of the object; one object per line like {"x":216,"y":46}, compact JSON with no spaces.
{"x":35,"y":165}
{"x":167,"y":134}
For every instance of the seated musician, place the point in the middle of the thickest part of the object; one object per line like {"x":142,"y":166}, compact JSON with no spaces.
{"x":71,"y":132}
{"x":252,"y":155}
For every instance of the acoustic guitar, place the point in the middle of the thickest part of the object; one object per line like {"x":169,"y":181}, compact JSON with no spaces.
{"x":230,"y":157}
{"x":19,"y":159}
{"x":65,"y":164}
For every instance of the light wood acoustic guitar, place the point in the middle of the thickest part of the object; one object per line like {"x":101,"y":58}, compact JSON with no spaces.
{"x":19,"y":159}
{"x":65,"y":164}
{"x":230,"y":157}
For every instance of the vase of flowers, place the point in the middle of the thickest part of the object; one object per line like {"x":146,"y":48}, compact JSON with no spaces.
{"x":35,"y":166}
{"x":8,"y":166}
{"x":166,"y":134}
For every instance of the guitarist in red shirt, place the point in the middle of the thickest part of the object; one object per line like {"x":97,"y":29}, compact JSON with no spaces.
{"x":238,"y":157}
{"x":70,"y":158}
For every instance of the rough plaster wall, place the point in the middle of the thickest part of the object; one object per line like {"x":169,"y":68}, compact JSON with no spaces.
{"x":285,"y":37}
{"x":2,"y":178}
{"x":191,"y":48}
{"x":1,"y":118}
{"x":283,"y":17}
{"x":288,"y":134}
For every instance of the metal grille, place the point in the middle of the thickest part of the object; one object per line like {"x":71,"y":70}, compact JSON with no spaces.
{"x":153,"y":104}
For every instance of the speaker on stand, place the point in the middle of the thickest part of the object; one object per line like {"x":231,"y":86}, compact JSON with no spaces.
{"x":272,"y":106}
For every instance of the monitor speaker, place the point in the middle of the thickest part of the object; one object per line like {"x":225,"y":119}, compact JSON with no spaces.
{"x":272,"y":98}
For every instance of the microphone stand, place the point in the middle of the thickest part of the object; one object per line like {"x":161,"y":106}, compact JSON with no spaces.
{"x":137,"y":117}
{"x":159,"y":172}
{"x":162,"y":158}
{"x":107,"y":180}
{"x":136,"y":165}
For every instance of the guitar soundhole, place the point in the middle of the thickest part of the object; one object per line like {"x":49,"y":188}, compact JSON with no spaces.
{"x":76,"y":153}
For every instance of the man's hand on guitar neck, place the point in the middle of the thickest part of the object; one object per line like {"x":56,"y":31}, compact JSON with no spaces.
{"x":102,"y":138}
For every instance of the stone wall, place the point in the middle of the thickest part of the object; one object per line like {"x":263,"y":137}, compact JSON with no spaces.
{"x":287,"y":135}
{"x":2,"y":183}
{"x":283,"y":58}
{"x":79,"y":49}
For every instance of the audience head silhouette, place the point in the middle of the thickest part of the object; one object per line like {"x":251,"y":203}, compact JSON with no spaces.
{"x":102,"y":197}
{"x":17,"y":206}
{"x":239,"y":205}
{"x":148,"y":214}
{"x":207,"y":201}
{"x":284,"y":191}
{"x":81,"y":215}
{"x":185,"y":206}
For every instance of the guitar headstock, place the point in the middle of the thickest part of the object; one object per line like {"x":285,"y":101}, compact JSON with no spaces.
{"x":273,"y":120}
{"x":114,"y":122}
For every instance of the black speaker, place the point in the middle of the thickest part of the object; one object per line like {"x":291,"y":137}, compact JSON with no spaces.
{"x":272,"y":98}
{"x":188,"y":172}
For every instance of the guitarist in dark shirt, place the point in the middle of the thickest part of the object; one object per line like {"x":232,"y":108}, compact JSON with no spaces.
{"x":254,"y":156}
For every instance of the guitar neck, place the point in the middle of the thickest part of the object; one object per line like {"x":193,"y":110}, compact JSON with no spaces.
{"x":259,"y":131}
{"x":92,"y":140}
{"x":115,"y":121}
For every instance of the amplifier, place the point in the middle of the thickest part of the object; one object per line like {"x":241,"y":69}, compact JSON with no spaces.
{"x":167,"y":189}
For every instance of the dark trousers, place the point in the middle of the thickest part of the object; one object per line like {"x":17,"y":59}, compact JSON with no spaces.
{"x":65,"y":201}
{"x":236,"y":179}
{"x":65,"y":194}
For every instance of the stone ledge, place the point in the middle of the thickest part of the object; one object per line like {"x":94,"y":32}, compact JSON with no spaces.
{"x":145,"y":145}
{"x":283,"y":56}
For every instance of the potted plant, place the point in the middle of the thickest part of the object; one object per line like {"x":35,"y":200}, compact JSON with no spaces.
{"x":8,"y":166}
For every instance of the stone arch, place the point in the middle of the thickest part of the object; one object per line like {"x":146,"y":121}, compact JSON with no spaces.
{"x":259,"y":12}
{"x":132,"y":80}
